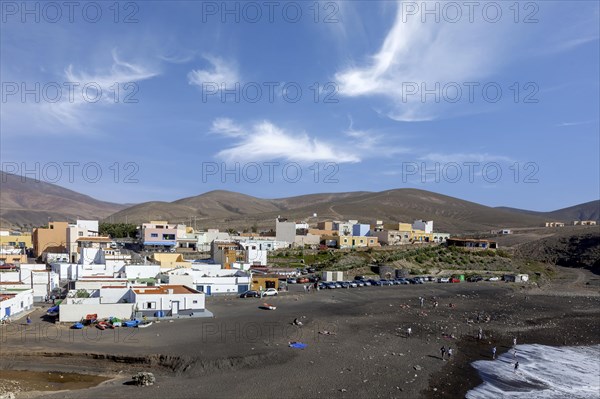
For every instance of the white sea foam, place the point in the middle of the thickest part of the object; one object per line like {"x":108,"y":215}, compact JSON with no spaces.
{"x":544,"y":372}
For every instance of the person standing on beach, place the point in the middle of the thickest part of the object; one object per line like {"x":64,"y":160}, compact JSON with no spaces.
{"x":514,"y":341}
{"x":516,"y":366}
{"x":409,"y":332}
{"x":421,"y":300}
{"x":494,"y":353}
{"x":443,"y":351}
{"x":480,"y":334}
{"x":449,"y":353}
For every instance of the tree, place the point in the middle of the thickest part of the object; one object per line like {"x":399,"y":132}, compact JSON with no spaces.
{"x":118,"y":230}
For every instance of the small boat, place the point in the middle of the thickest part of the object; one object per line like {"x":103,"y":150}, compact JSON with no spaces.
{"x":103,"y":325}
{"x":266,"y":306}
{"x":53,"y":311}
{"x":77,"y":326}
{"x":144,"y":325}
{"x":131,"y":323}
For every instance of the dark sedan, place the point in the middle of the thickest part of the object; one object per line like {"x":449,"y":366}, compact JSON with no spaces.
{"x":250,"y":294}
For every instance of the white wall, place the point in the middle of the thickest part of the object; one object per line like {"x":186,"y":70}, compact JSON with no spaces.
{"x":115,"y":295}
{"x":426,"y":226}
{"x":141,"y":271}
{"x":22,"y":301}
{"x":164,"y":302}
{"x":97,"y":284}
{"x":13,"y":277}
{"x":73,"y":313}
{"x":222,"y":285}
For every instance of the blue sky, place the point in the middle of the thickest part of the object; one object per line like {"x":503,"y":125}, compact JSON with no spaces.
{"x":497,"y":104}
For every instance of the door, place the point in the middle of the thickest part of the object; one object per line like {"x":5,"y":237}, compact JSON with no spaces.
{"x":242,"y":288}
{"x":208,"y":290}
{"x":175,"y":307}
{"x":7,"y":311}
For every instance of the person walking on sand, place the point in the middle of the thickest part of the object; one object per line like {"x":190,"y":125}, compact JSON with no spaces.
{"x":409,"y":332}
{"x":449,"y":353}
{"x":421,"y":300}
{"x":494,"y":353}
{"x":443,"y":351}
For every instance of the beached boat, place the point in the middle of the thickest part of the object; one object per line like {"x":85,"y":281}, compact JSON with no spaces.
{"x":131,"y":323}
{"x":77,"y":326}
{"x":102,"y":325}
{"x":53,"y":311}
{"x":144,"y":325}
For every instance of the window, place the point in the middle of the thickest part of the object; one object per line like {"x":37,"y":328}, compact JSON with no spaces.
{"x":81,"y":234}
{"x":149,"y":305}
{"x":194,"y":301}
{"x":154,"y":235}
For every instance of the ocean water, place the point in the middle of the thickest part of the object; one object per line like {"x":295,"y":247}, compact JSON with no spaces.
{"x":544,"y":372}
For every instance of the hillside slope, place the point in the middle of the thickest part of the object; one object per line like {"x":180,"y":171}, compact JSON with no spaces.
{"x":25,"y":201}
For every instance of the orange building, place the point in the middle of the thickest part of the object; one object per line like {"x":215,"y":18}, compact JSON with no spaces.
{"x":50,"y":239}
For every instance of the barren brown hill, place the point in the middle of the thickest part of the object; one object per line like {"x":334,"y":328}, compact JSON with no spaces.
{"x":27,"y":202}
{"x":577,"y":246}
{"x":226,"y":209}
{"x":586,"y":211}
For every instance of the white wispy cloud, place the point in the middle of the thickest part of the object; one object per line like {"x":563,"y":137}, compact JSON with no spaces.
{"x":264,"y":141}
{"x":103,"y":88}
{"x":577,"y":123}
{"x":226,"y":127}
{"x":465,"y":157}
{"x":422,"y":53}
{"x":221,"y":72}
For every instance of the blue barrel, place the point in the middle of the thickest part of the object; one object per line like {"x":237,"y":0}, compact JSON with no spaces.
{"x":160,"y":313}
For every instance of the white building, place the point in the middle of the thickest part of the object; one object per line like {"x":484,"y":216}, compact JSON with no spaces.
{"x":140,"y":271}
{"x":206,"y":238}
{"x":171,"y":300}
{"x":426,"y":226}
{"x":13,"y":302}
{"x":344,"y":228}
{"x":210,"y":280}
{"x":284,"y":230}
{"x":81,"y":229}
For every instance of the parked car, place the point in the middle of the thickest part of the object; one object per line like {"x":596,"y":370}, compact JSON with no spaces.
{"x":385,"y":282}
{"x":270,"y":292}
{"x":250,"y":294}
{"x":494,"y":279}
{"x":455,"y":280}
{"x":344,"y":284}
{"x":367,"y":283}
{"x":353,"y":284}
{"x":376,"y":282}
{"x":403,"y":281}
{"x":302,"y":280}
{"x":292,"y":281}
{"x":359,"y":278}
{"x":330,"y":285}
{"x":443,"y":280}
{"x":474,"y":279}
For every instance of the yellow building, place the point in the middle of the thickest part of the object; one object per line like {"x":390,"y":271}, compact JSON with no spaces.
{"x":50,"y":239}
{"x":171,"y":261}
{"x":13,"y":258}
{"x":358,"y":241}
{"x":16,"y":240}
{"x":262,"y":283}
{"x":421,"y":236}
